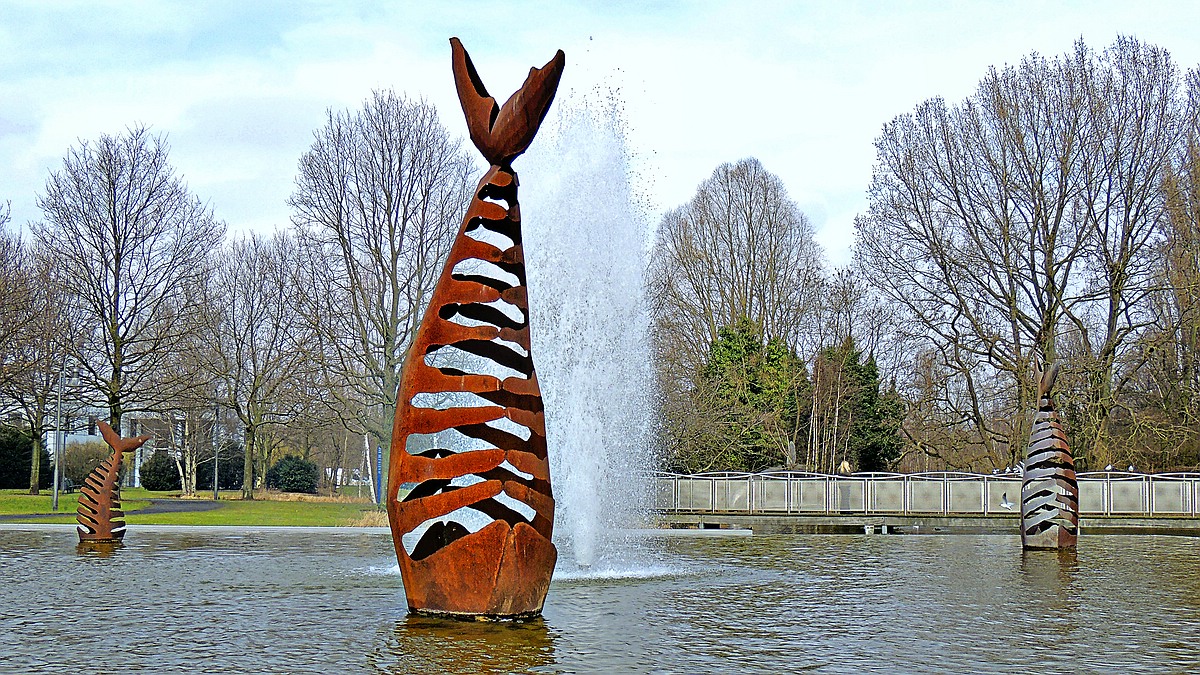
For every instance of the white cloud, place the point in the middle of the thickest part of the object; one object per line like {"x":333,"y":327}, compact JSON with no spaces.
{"x":804,"y":87}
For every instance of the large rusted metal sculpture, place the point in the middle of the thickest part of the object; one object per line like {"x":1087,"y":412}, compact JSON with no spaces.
{"x":99,"y":514}
{"x":1049,"y":492}
{"x":469,"y":428}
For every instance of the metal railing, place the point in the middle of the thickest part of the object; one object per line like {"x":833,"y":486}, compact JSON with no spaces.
{"x":945,"y":493}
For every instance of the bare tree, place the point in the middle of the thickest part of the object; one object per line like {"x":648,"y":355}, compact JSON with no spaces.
{"x":40,"y":350}
{"x":131,"y":239}
{"x":378,"y":199}
{"x":326,"y":443}
{"x":1022,"y":223}
{"x":256,"y":344}
{"x":739,"y":250}
{"x":183,"y":422}
{"x":1162,"y":417}
{"x":15,"y":290}
{"x":845,"y":306}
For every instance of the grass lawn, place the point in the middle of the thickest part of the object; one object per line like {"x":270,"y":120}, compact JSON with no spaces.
{"x":289,"y":510}
{"x":262,"y":512}
{"x":16,"y":502}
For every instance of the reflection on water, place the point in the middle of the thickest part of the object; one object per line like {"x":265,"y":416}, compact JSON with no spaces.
{"x":421,"y":645}
{"x":1052,"y":571}
{"x":1049,"y":579}
{"x":272,"y":601}
{"x":102,"y":549}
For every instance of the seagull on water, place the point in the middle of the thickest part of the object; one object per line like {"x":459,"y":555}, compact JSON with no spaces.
{"x":1004,"y":503}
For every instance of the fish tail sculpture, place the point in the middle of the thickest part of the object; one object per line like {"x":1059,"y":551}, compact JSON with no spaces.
{"x":1049,"y":491}
{"x":99,"y":514}
{"x":469,"y":428}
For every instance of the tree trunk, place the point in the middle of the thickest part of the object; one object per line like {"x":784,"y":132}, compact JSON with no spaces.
{"x":35,"y":466}
{"x":189,"y":456}
{"x":115,"y":411}
{"x":248,"y":466}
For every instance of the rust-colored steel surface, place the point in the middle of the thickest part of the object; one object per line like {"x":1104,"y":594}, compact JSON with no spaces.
{"x":469,"y":428}
{"x":99,"y":513}
{"x":1049,"y":492}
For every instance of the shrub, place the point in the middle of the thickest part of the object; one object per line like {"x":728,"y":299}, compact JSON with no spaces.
{"x":16,"y":453}
{"x":160,"y":473}
{"x":79,"y":459}
{"x":292,"y":474}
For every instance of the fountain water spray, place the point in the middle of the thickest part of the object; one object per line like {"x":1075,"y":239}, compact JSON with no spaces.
{"x":587,"y":242}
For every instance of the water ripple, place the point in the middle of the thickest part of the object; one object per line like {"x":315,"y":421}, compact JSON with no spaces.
{"x":282,"y":602}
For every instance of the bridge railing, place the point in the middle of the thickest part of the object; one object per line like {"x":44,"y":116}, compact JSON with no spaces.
{"x":946,"y":493}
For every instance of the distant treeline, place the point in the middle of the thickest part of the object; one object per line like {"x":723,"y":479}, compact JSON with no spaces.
{"x":1053,"y":215}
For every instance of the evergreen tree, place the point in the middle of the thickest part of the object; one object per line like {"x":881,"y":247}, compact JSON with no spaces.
{"x":159,"y":473}
{"x":853,"y":420}
{"x":16,"y":454}
{"x":756,"y":392}
{"x":293,"y":474}
{"x":874,"y":434}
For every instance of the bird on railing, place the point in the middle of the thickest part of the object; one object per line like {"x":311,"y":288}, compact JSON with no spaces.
{"x":1109,"y":467}
{"x":1004,"y":503}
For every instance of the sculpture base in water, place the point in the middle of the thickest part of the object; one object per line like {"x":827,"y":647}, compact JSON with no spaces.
{"x":1057,"y":539}
{"x":85,"y":538}
{"x":466,"y":579}
{"x":102,"y":548}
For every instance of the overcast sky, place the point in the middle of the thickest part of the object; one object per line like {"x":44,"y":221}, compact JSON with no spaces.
{"x":239,"y":87}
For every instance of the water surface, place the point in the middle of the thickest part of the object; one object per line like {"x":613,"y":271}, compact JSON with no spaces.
{"x":200,"y":600}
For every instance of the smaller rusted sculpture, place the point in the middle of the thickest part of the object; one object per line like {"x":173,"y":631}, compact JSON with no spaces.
{"x":99,"y":513}
{"x":1049,"y":492}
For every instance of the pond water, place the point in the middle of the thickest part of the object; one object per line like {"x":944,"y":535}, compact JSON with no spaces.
{"x":269,"y":601}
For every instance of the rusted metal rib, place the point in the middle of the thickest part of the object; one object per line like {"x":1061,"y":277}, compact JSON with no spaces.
{"x":479,"y":313}
{"x":99,"y":514}
{"x":1049,"y":491}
